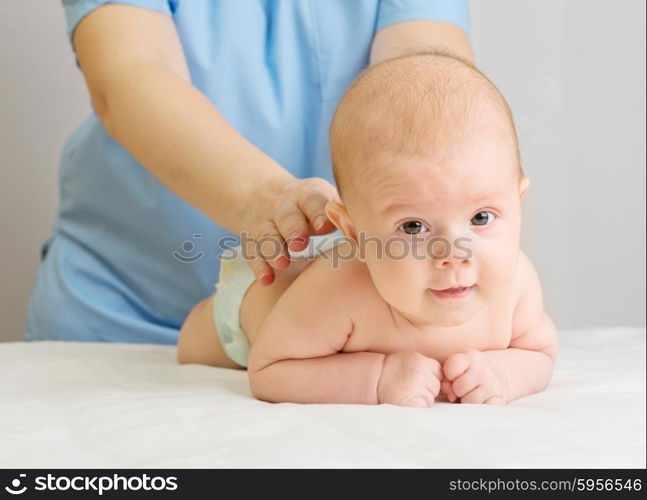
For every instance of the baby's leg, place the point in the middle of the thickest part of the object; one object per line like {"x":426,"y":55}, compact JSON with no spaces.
{"x":199,"y":342}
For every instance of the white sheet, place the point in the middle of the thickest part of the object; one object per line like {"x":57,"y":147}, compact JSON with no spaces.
{"x":125,"y":405}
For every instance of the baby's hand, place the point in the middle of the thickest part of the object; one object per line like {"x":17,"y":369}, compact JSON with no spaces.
{"x":409,"y":379}
{"x":473,"y":377}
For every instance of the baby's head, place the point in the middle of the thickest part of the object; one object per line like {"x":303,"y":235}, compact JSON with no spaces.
{"x":425,"y":157}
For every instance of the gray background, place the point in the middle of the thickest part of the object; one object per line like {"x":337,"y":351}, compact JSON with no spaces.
{"x":573,"y":72}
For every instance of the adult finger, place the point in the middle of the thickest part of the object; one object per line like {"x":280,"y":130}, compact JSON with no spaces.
{"x":292,"y":225}
{"x":262,"y":271}
{"x":271,"y":247}
{"x":313,"y":205}
{"x":264,"y":252}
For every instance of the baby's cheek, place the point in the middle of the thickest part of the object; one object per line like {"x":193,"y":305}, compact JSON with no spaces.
{"x":397,"y":279}
{"x":499,"y":266}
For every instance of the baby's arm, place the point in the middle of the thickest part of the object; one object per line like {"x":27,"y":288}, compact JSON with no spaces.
{"x":529,"y":360}
{"x":296,"y":354}
{"x":525,"y":367}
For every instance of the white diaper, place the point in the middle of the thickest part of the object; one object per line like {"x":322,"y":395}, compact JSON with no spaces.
{"x":234,"y":280}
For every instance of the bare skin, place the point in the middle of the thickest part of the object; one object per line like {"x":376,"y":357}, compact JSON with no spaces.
{"x":399,"y":328}
{"x":324,"y":334}
{"x":198,"y":341}
{"x":374,"y":330}
{"x":369,"y":327}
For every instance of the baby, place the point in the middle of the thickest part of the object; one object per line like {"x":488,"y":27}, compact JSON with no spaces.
{"x":428,"y":291}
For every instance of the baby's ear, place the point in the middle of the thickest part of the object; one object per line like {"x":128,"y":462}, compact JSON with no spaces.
{"x":339,"y":216}
{"x":524,"y":184}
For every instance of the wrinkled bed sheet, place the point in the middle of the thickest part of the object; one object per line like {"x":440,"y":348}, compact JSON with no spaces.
{"x":93,"y":405}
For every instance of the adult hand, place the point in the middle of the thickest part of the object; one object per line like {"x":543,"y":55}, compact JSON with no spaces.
{"x":283,"y":215}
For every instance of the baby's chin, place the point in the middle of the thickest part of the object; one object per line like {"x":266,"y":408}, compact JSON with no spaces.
{"x":437,"y":318}
{"x":450,"y":320}
{"x":442,"y":315}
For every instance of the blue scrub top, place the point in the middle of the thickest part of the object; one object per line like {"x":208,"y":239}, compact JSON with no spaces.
{"x":127,"y":260}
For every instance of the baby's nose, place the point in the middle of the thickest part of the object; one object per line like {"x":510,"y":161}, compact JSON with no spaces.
{"x":445,"y":255}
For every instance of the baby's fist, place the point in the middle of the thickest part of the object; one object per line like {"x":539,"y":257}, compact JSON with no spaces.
{"x":409,"y":379}
{"x":473,"y":377}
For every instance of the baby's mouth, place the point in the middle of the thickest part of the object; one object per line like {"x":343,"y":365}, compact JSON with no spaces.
{"x":453,"y":293}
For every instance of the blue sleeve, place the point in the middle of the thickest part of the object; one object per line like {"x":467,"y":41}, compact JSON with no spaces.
{"x":75,"y":10}
{"x":452,"y":11}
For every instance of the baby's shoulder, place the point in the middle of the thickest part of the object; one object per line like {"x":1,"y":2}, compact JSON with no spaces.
{"x":525,"y":276}
{"x":527,"y":293}
{"x":339,"y":271}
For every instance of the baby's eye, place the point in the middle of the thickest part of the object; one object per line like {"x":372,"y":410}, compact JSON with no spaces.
{"x":413,"y":227}
{"x":483,"y":218}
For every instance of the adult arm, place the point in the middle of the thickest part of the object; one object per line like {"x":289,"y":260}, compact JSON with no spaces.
{"x":136,"y":72}
{"x":405,"y":37}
